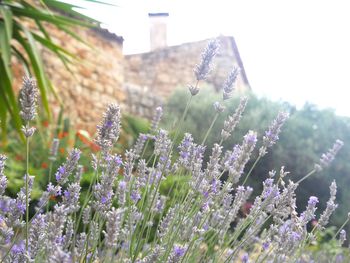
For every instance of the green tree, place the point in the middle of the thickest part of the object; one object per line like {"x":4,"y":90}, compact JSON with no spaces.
{"x":307,"y":134}
{"x":20,"y":40}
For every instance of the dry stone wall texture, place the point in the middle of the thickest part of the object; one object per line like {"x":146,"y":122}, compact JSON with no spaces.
{"x":169,"y":68}
{"x":138,"y":83}
{"x":95,"y":79}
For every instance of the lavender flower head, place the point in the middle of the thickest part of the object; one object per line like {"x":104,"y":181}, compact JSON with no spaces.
{"x":140,"y":143}
{"x":177,"y":253}
{"x":71,"y":197}
{"x":328,"y":157}
{"x":342,"y":236}
{"x":313,"y":200}
{"x":232,"y":121}
{"x":20,"y":205}
{"x":185,"y":148}
{"x":113,"y":226}
{"x":3,"y":179}
{"x":218,"y":107}
{"x":271,"y":135}
{"x":331,"y":206}
{"x":265,"y":245}
{"x":54,"y":190}
{"x":18,"y":252}
{"x":240,"y":156}
{"x":229,"y":83}
{"x":156,"y":119}
{"x":245,"y":258}
{"x":250,"y":138}
{"x":202,"y":69}
{"x":28,"y":99}
{"x":53,"y":149}
{"x":162,"y":143}
{"x":109,"y":128}
{"x":67,"y":168}
{"x":309,"y":213}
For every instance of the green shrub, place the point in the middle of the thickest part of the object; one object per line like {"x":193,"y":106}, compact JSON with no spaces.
{"x":304,"y":135}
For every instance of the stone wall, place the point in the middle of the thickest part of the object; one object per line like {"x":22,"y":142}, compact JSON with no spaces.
{"x":140,"y":101}
{"x":96,"y":78}
{"x":138,"y":83}
{"x":166,"y":69}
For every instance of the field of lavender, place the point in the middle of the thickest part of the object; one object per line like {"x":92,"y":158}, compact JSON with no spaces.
{"x":124,"y":217}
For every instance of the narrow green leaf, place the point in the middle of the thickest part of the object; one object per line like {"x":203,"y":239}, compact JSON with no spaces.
{"x":74,"y":35}
{"x":5,"y":49}
{"x":52,"y":46}
{"x":5,"y":39}
{"x":9,"y":99}
{"x":23,"y":60}
{"x":69,"y":9}
{"x":41,"y":14}
{"x":100,"y":2}
{"x":7,"y":16}
{"x":3,"y":119}
{"x":63,"y":57}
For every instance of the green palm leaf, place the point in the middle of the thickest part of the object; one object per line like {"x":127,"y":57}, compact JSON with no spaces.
{"x":12,"y":30}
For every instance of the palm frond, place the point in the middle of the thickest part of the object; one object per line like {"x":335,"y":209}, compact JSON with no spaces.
{"x":64,"y":16}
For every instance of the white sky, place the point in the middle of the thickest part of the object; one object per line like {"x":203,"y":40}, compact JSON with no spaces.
{"x":296,"y":50}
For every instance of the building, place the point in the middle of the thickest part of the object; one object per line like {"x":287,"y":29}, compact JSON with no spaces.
{"x":138,"y":82}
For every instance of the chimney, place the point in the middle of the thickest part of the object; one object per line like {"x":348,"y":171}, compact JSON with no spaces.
{"x":158,"y":30}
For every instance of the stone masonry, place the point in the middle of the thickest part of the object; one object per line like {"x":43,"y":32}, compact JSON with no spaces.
{"x":139,"y":83}
{"x":91,"y":82}
{"x":164,"y":70}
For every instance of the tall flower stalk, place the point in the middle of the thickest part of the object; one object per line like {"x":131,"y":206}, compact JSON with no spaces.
{"x":28,"y":100}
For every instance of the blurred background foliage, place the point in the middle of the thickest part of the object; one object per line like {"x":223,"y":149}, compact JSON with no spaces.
{"x":307,"y":134}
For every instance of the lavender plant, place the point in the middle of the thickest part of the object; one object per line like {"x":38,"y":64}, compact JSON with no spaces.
{"x":125,"y":218}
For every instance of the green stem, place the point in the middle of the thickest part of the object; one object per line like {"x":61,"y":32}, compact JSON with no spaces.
{"x":306,"y":176}
{"x":158,"y":183}
{"x":87,"y":198}
{"x":74,"y":238}
{"x":183,"y":212}
{"x":50,"y":172}
{"x":265,"y":257}
{"x":144,"y":149}
{"x":210,"y":128}
{"x":143,"y":200}
{"x":86,"y":244}
{"x":340,"y":228}
{"x":194,"y":239}
{"x":304,"y":243}
{"x":101,"y":221}
{"x":240,"y":228}
{"x":251,"y":169}
{"x":27,"y":193}
{"x":179,"y":125}
{"x":245,"y":240}
{"x":147,"y":217}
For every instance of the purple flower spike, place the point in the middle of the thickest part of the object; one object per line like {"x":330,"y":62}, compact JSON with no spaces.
{"x":179,"y":251}
{"x":245,"y":258}
{"x":103,"y":199}
{"x":313,"y":200}
{"x":18,"y":248}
